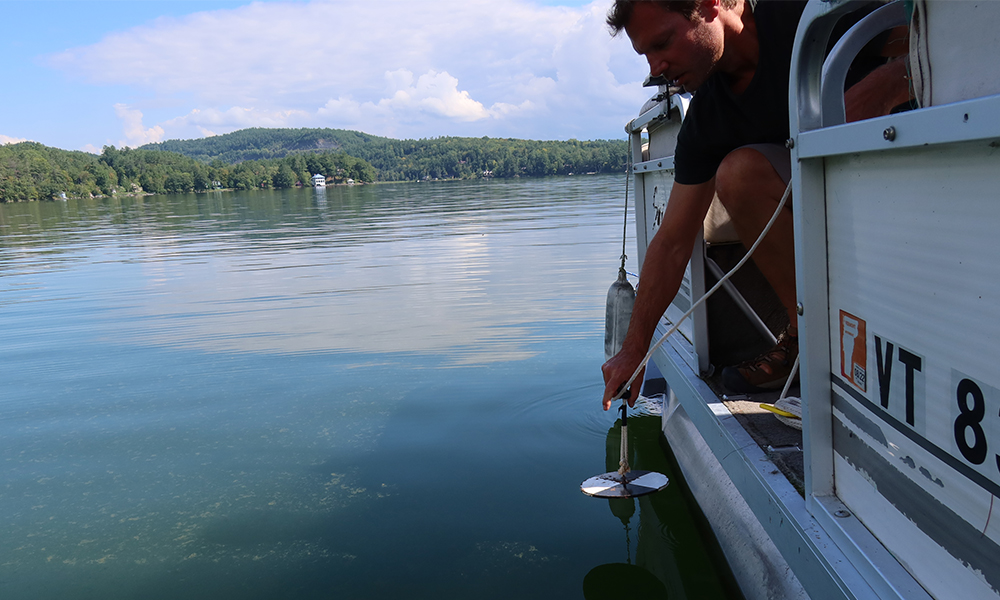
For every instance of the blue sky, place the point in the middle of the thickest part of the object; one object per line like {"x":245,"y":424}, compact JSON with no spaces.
{"x":79,"y":75}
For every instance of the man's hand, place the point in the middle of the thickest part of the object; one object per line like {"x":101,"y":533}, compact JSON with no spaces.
{"x":617,"y":371}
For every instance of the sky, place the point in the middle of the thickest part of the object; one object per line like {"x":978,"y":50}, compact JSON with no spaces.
{"x":80,"y":75}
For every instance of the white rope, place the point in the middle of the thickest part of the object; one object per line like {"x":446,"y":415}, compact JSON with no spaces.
{"x":623,"y":461}
{"x":624,"y":389}
{"x":791,"y":376}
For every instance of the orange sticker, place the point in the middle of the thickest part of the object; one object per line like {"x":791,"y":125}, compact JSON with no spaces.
{"x":853,"y":350}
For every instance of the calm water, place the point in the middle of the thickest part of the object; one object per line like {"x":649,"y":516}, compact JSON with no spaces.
{"x":373,"y":392}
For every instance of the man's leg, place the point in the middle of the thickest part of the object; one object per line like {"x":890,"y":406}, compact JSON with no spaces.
{"x":750,"y":183}
{"x":750,"y":188}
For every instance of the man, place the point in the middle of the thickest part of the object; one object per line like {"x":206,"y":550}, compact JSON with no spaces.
{"x":736,"y":56}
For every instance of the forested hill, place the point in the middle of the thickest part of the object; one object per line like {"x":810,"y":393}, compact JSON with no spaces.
{"x":284,"y":158}
{"x":258,"y":143}
{"x":395,"y":160}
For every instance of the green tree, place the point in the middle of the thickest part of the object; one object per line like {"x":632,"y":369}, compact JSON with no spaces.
{"x":284,"y":178}
{"x":179,"y":181}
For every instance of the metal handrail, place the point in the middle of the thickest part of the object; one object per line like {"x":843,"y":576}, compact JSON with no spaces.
{"x":838,"y":63}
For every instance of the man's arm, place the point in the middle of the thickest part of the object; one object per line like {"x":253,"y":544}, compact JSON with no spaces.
{"x":666,"y":259}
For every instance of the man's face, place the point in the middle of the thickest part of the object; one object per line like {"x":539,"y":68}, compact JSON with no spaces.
{"x":681,"y":50}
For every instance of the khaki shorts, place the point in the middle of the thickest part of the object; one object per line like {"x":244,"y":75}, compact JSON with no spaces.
{"x":779,"y":157}
{"x":718,"y":225}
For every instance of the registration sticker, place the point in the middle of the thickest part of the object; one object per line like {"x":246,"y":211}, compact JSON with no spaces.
{"x":853,"y":350}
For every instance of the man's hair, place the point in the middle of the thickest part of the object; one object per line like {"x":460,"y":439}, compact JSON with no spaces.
{"x":621,"y":13}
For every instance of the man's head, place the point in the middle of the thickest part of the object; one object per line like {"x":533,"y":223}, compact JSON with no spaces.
{"x":621,"y":12}
{"x":683,"y":40}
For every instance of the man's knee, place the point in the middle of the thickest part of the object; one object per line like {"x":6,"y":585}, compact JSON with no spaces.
{"x":743,"y":171}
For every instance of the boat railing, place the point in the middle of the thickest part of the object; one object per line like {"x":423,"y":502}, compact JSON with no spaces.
{"x":894,"y":244}
{"x":652,"y":170}
{"x":838,"y":62}
{"x":890,"y":249}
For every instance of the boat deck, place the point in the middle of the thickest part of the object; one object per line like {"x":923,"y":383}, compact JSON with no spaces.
{"x":733,"y":340}
{"x":781,"y":443}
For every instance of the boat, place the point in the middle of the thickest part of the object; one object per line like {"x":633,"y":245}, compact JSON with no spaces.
{"x":888,"y":489}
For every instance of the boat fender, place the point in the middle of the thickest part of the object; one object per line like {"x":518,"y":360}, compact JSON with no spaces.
{"x":621,"y":300}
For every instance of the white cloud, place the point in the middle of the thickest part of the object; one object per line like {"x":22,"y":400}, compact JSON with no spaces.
{"x":207,"y":121}
{"x":432,"y":95}
{"x":6,"y":139}
{"x":405,"y":67}
{"x":132,"y":127}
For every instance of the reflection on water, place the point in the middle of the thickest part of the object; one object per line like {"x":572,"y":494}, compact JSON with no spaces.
{"x":669,"y":560}
{"x":280,"y":274}
{"x":372,"y":392}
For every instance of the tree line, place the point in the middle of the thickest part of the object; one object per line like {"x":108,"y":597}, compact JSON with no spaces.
{"x":462,"y":158}
{"x":409,"y":160}
{"x":31,"y":171}
{"x":283,"y":158}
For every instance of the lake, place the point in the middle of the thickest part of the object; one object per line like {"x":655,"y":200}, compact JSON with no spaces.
{"x":384,"y":391}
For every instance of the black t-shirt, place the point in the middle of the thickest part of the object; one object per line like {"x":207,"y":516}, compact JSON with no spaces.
{"x":719,"y":121}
